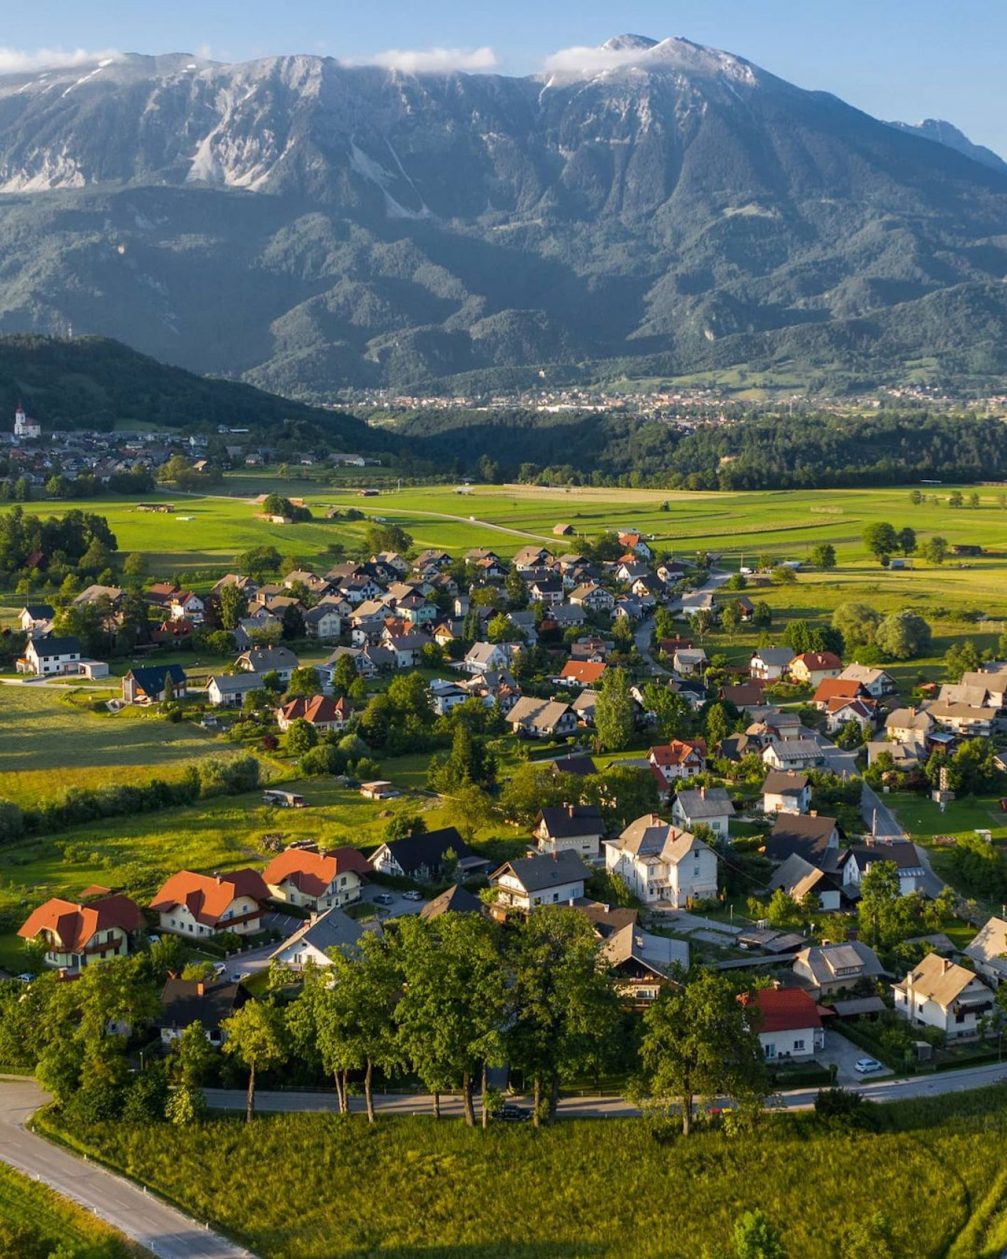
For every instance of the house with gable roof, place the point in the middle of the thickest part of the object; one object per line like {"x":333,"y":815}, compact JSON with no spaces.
{"x":76,"y":935}
{"x":661,"y":863}
{"x":314,"y":879}
{"x":198,"y":905}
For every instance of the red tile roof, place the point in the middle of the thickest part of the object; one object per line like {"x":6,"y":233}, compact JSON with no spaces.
{"x":830,"y":688}
{"x":208,"y":897}
{"x":786,"y":1010}
{"x":677,"y":752}
{"x":318,"y":710}
{"x":586,"y":671}
{"x":74,"y":925}
{"x":816,"y":660}
{"x":313,"y":872}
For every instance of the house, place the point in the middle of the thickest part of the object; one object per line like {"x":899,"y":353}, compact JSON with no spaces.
{"x":323,"y":622}
{"x":661,"y":863}
{"x":208,"y":1003}
{"x":78,"y":935}
{"x":994,"y":682}
{"x":531,"y":557}
{"x":96,"y":593}
{"x":446,"y":695}
{"x":483,"y":656}
{"x":769,"y":664}
{"x":581,"y":673}
{"x":803,"y":881}
{"x":678,"y":759}
{"x":876,"y":682}
{"x":187,"y":606}
{"x":325,"y":714}
{"x":710,"y":806}
{"x":541,"y":718}
{"x":856,"y":862}
{"x":642,"y":965}
{"x":229,"y":690}
{"x":813,"y":667}
{"x":829,"y":968}
{"x":690,"y":661}
{"x":837,"y":688}
{"x":962,"y":719}
{"x":427,"y":856}
{"x":635,"y":542}
{"x":939,"y":993}
{"x":904,"y":755}
{"x":563,"y":530}
{"x":585,"y":706}
{"x":51,"y":655}
{"x":546,"y":590}
{"x":568,"y":616}
{"x":793,"y":754}
{"x":841,"y":712}
{"x":988,"y":950}
{"x":814,"y":838}
{"x":580,"y":764}
{"x":744,"y":695}
{"x":314,"y":879}
{"x":790,"y":1026}
{"x":312,"y":944}
{"x":908,"y":725}
{"x":456,"y":900}
{"x":570,"y":828}
{"x":278,"y":660}
{"x":155,"y":683}
{"x":198,"y":905}
{"x":34,"y":616}
{"x":786,"y":792}
{"x":552,"y":878}
{"x":593,"y":597}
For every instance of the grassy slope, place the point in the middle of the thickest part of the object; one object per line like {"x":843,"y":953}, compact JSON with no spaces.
{"x":61,"y":1222}
{"x":305,"y":1186}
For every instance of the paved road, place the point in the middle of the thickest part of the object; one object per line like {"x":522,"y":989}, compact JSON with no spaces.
{"x":161,"y":1229}
{"x":599,"y":1107}
{"x":887,"y":824}
{"x":645,"y":629}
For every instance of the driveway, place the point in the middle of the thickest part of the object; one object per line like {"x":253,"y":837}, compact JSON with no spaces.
{"x":399,"y":906}
{"x":844,"y":1054}
{"x":145,"y":1219}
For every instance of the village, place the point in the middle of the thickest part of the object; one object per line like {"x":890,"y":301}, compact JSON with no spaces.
{"x":758,"y":848}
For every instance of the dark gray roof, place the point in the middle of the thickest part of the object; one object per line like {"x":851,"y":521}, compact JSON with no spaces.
{"x":331,"y":930}
{"x":182,"y":1003}
{"x":570,"y":820}
{"x":50,"y":645}
{"x":428,"y":848}
{"x":538,"y":873}
{"x":456,"y":900}
{"x":804,"y":835}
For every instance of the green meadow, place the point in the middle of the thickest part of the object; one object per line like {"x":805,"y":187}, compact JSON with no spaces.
{"x":313,"y":1187}
{"x":67,"y":1228}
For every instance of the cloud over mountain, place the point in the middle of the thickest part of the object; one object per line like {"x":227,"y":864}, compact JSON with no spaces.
{"x":21,"y":61}
{"x":436,"y":60}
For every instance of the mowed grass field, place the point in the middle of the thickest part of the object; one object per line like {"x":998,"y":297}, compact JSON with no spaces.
{"x":208,"y":532}
{"x":48,"y":744}
{"x":68,"y":1228}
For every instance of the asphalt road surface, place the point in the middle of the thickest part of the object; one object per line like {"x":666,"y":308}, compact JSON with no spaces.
{"x":159,"y":1228}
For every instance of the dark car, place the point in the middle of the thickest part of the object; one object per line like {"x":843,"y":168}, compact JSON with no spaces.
{"x":513,"y":1114}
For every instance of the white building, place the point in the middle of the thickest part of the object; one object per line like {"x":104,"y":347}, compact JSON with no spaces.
{"x":661,"y":863}
{"x":939,"y":993}
{"x":544,"y":879}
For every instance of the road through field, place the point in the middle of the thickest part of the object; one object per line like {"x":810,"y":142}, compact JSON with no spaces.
{"x":142,"y":1217}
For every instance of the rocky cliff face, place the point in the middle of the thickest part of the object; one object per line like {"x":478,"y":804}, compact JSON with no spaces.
{"x":308,"y":224}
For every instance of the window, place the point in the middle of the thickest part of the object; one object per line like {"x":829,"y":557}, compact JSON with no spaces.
{"x":798,"y":1046}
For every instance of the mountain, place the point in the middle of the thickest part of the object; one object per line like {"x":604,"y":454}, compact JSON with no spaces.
{"x":646,"y":207}
{"x":92,"y":382}
{"x":947,"y":133}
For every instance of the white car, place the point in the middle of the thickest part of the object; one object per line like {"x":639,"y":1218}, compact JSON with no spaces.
{"x":412,"y":895}
{"x":865,"y":1066}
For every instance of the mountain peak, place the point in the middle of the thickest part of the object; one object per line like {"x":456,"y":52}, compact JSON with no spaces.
{"x":625,"y":43}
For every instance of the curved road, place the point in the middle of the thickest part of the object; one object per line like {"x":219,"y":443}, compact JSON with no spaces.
{"x":145,"y":1219}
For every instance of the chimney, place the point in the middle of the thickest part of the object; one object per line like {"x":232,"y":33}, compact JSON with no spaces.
{"x":945,"y":965}
{"x":812,"y":813}
{"x":200,"y":988}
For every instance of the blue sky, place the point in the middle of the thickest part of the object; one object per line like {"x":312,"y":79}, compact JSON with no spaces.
{"x":897,"y":59}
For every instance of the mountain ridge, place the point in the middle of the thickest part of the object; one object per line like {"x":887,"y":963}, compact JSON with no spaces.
{"x":308,"y":225}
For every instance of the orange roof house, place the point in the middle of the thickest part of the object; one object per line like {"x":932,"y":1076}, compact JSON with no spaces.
{"x":585,"y":672}
{"x":73,"y":932}
{"x":316,"y":880}
{"x":200,"y":904}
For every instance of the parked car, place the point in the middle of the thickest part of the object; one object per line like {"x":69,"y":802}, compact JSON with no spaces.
{"x":412,"y":895}
{"x":864,"y":1066}
{"x":510,"y":1113}
{"x":384,"y":898}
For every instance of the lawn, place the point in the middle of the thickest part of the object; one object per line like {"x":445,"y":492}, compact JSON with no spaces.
{"x":304,"y":1185}
{"x":922,"y":818}
{"x":48,"y":744}
{"x":65,"y":1226}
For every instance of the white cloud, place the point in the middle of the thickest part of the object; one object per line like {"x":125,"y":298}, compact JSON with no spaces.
{"x":585,"y":60}
{"x":436,"y":60}
{"x":19,"y":61}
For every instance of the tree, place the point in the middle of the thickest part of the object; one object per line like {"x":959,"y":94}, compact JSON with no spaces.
{"x":907,"y":540}
{"x":254,"y":1035}
{"x":501,"y":629}
{"x":881,"y":540}
{"x":700,"y":1041}
{"x":762,"y":615}
{"x":903,"y":635}
{"x":292,"y":623}
{"x":878,"y":910}
{"x":454,"y":1003}
{"x":755,"y":1238}
{"x":824,"y":556}
{"x":669,"y":709}
{"x":613,"y":714}
{"x":730,"y":618}
{"x":935,"y":551}
{"x":135,"y":566}
{"x":565,"y":1007}
{"x":916,"y":497}
{"x":403,"y":824}
{"x":857,"y":622}
{"x":357,"y":1028}
{"x":960,"y":658}
{"x":301,"y":737}
{"x":386,"y":537}
{"x":344,"y":674}
{"x":233,"y":606}
{"x":304,"y":683}
{"x":468,"y":809}
{"x":717,"y":725}
{"x":956,"y":499}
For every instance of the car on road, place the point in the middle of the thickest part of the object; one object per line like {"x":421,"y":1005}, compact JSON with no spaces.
{"x":412,"y":895}
{"x":510,"y":1113}
{"x":25,"y":977}
{"x":238,"y":975}
{"x":865,"y":1066}
{"x":384,"y":898}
